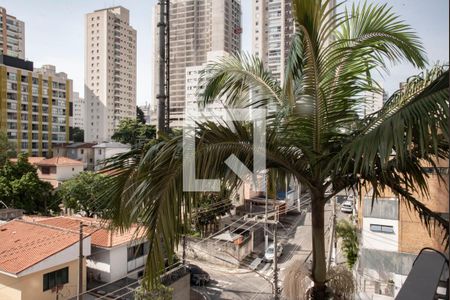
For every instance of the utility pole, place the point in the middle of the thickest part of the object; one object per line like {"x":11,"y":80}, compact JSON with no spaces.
{"x":184,"y":249}
{"x":80,"y":264}
{"x":275,"y":262}
{"x":164,"y":80}
{"x":299,"y":196}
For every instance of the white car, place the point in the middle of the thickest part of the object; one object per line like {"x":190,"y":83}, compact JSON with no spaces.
{"x":269,"y":254}
{"x":347,"y":206}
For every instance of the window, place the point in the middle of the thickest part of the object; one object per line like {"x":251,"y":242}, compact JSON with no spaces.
{"x":45,"y":170}
{"x":82,"y":151}
{"x":137,"y":251}
{"x":55,"y":278}
{"x":381,"y":228}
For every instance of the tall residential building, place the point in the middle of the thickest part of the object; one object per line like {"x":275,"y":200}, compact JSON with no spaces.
{"x":110,"y":72}
{"x":196,"y":27}
{"x":12,"y":42}
{"x":273,"y":29}
{"x":372,"y":103}
{"x":35,"y":106}
{"x":79,"y":110}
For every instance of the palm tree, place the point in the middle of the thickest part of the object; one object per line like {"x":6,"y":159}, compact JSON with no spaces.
{"x":313,"y":131}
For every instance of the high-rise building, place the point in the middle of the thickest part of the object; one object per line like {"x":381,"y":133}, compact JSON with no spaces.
{"x":372,"y":102}
{"x":110,"y":72}
{"x":79,"y":110}
{"x":273,"y":29}
{"x":35,"y":106}
{"x":196,"y":27}
{"x":12,"y":42}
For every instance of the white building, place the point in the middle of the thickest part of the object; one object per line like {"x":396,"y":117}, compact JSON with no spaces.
{"x":114,"y":254}
{"x":110,"y":72}
{"x":196,"y":27}
{"x":79,"y":110}
{"x":12,"y":42}
{"x":372,"y":103}
{"x":107,"y":150}
{"x":194,"y":87}
{"x":272,"y":32}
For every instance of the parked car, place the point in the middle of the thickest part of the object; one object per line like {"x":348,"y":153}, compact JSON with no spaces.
{"x":270,"y":251}
{"x":347,"y":206}
{"x":198,"y":275}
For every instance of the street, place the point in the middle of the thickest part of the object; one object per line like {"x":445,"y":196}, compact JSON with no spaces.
{"x":255,"y":280}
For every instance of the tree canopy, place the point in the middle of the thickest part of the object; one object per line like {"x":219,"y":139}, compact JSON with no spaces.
{"x":20,"y":187}
{"x":82,"y":193}
{"x":133,"y":132}
{"x":140,"y":117}
{"x":78,"y":134}
{"x":6,"y":148}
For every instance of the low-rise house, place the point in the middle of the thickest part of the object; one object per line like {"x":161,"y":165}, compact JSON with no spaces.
{"x":107,"y":150}
{"x":58,"y":169}
{"x":55,"y":170}
{"x":78,"y":151}
{"x":114,"y":254}
{"x":39,"y":261}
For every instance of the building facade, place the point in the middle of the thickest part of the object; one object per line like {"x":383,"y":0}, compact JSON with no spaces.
{"x":110,"y":72}
{"x":35,"y":107}
{"x":273,"y":28}
{"x":79,"y":110}
{"x":392,"y":235}
{"x":196,"y":27}
{"x":12,"y":42}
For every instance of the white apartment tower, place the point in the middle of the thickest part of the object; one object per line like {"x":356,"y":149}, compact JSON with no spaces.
{"x":12,"y":40}
{"x":273,"y":28}
{"x":196,"y":28}
{"x":79,"y":110}
{"x":110,"y":72}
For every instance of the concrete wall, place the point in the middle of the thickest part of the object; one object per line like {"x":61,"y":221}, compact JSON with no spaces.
{"x":99,"y":265}
{"x":379,"y":240}
{"x":119,"y":267}
{"x":182,"y":288}
{"x":31,"y":286}
{"x":67,"y":172}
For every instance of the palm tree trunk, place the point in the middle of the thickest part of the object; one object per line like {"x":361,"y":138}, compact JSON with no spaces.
{"x":319,"y":270}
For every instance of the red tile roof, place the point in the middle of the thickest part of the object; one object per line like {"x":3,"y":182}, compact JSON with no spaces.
{"x":24,"y":244}
{"x":59,"y":161}
{"x":102,"y":236}
{"x":32,"y":160}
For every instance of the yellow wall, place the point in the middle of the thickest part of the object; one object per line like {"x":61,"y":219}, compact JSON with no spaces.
{"x":30,"y":287}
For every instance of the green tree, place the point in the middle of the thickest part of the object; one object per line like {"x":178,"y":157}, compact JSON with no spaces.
{"x":140,"y":117}
{"x":208,"y":210}
{"x":82,"y":193}
{"x":133,"y":132}
{"x":6,"y":148}
{"x":78,"y":135}
{"x":347,"y":232}
{"x":313,"y":131}
{"x":20,"y":187}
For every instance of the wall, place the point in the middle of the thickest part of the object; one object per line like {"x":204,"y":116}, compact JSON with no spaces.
{"x":99,"y":265}
{"x":67,"y":172}
{"x":413,"y":233}
{"x":31,"y":286}
{"x":119,"y":267}
{"x":379,"y":240}
{"x":182,"y":288}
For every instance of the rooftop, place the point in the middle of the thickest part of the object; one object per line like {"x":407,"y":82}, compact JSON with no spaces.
{"x":102,"y":235}
{"x":59,"y":161}
{"x":111,"y":145}
{"x":25,"y":244}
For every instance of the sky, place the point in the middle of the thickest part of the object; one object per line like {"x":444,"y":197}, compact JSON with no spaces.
{"x":54,"y":34}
